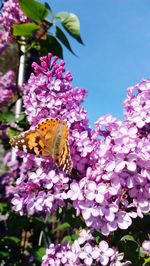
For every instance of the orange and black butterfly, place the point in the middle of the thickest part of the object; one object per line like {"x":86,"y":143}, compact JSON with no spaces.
{"x":49,"y":138}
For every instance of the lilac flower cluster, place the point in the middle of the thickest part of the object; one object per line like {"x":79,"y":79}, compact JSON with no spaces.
{"x":110,"y":181}
{"x":38,"y":189}
{"x":7,"y":88}
{"x":117,"y":187}
{"x":49,"y":93}
{"x":83,"y":252}
{"x":11,"y":14}
{"x":8,"y":176}
{"x":137,"y":105}
{"x":3,"y":40}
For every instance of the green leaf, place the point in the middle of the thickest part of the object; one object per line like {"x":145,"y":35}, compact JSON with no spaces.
{"x":62,"y":37}
{"x":62,"y":227}
{"x":11,"y":240}
{"x":147,"y":262}
{"x":33,"y":9}
{"x":48,"y":7}
{"x":40,"y":253}
{"x":4,"y":254}
{"x":127,"y":238}
{"x":74,"y":236}
{"x":12,"y":132}
{"x":3,"y":206}
{"x":7,"y":117}
{"x":21,"y":117}
{"x":70,"y":239}
{"x":67,"y":239}
{"x":52,"y":219}
{"x":130,"y":247}
{"x":71,"y":24}
{"x":147,"y":214}
{"x":51,"y":45}
{"x":25,"y":29}
{"x":141,"y":253}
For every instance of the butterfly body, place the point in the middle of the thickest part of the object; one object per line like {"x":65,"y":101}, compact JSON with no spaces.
{"x":49,"y":138}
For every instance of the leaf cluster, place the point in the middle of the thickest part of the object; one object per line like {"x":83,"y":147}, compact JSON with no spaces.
{"x":45,"y":30}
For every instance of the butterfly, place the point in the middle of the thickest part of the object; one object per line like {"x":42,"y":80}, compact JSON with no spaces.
{"x":49,"y":138}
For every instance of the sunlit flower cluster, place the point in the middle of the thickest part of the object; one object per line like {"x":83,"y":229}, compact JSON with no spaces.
{"x":137,"y":105}
{"x":11,"y":14}
{"x":110,"y":182}
{"x":7,"y":88}
{"x":39,"y":189}
{"x":82,"y":252}
{"x":49,"y":93}
{"x":117,"y":187}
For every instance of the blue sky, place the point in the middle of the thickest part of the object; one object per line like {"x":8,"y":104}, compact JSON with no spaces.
{"x":116,"y":54}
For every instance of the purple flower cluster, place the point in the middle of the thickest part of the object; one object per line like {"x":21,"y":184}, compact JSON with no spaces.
{"x":49,"y":93}
{"x":117,"y":187}
{"x":137,"y":105}
{"x":7,"y":88}
{"x":7,"y":178}
{"x":110,"y":181}
{"x":83,"y":252}
{"x":3,"y":40}
{"x":38,"y":189}
{"x":11,"y":14}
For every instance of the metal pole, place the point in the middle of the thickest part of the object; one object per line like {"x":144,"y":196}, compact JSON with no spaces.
{"x":20,"y":81}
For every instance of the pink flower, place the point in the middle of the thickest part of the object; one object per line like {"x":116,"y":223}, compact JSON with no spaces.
{"x":146,"y":247}
{"x":7,"y":88}
{"x":11,"y":14}
{"x":110,"y":164}
{"x":82,"y":253}
{"x":105,"y":252}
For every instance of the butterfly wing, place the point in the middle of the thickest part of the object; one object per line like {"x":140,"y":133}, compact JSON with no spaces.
{"x":55,"y":133}
{"x":50,"y":138}
{"x":65,"y":159}
{"x":28,"y":141}
{"x":49,"y":131}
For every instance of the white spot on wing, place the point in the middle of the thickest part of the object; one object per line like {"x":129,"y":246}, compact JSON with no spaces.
{"x":24,"y":148}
